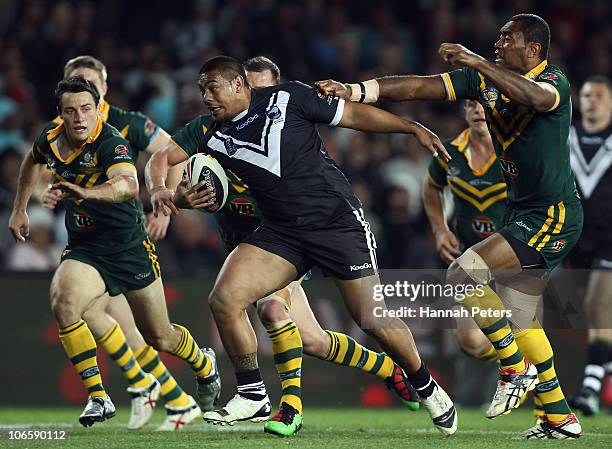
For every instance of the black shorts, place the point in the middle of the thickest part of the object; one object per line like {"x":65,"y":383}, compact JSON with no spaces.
{"x":234,"y":230}
{"x":593,"y":250}
{"x":346,"y":249}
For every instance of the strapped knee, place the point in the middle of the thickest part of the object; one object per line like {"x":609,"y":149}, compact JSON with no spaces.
{"x":523,"y":307}
{"x":474,"y":267}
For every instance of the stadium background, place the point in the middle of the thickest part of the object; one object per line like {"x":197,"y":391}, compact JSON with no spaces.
{"x":153,"y":50}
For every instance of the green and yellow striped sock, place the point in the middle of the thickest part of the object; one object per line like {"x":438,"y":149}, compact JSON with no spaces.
{"x":287,"y":348}
{"x":189,"y":351}
{"x":344,"y":350}
{"x":536,"y":347}
{"x":490,"y":355}
{"x":172,"y":393}
{"x":115,"y":345}
{"x":496,"y":329}
{"x":80,"y":347}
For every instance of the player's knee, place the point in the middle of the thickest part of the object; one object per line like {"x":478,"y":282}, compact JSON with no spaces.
{"x":469,"y":268}
{"x":472,"y":344}
{"x":160,"y":341}
{"x":223,"y":303}
{"x":65,"y":306}
{"x":272,"y":311}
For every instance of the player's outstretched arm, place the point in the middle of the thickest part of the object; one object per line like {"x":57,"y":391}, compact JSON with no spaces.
{"x":541,"y":97}
{"x":156,"y":177}
{"x":122,"y":185}
{"x":393,"y":88}
{"x":433,"y":202}
{"x":364,"y":117}
{"x":29,"y":174}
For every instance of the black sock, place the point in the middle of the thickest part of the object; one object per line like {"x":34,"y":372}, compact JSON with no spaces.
{"x":594,"y":372}
{"x":250,"y":385}
{"x":422,"y":381}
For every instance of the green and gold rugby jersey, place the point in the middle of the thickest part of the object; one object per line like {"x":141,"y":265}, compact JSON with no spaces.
{"x":136,"y":128}
{"x":241,"y":214}
{"x":479,"y":195}
{"x":532,"y":147}
{"x":102,"y":228}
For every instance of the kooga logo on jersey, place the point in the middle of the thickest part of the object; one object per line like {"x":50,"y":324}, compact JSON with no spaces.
{"x":250,"y":120}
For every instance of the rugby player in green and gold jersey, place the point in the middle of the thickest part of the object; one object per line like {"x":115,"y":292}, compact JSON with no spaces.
{"x":108,"y":248}
{"x":528,"y":109}
{"x":111,"y":321}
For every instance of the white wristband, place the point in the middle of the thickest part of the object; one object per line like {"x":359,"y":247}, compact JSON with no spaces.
{"x":365,"y":92}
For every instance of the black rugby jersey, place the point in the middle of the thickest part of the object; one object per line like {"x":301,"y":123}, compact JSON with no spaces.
{"x":591,"y":158}
{"x":276,"y":149}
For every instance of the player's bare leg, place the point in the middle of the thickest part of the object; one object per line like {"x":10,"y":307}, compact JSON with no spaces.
{"x":75,"y":286}
{"x":151,"y":315}
{"x":597,"y":304}
{"x":248,"y":274}
{"x":395,"y":338}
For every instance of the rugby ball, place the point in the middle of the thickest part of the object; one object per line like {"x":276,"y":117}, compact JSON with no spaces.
{"x":203,"y":167}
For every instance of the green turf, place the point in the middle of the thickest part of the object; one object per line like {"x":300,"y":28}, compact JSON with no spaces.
{"x":335,"y":428}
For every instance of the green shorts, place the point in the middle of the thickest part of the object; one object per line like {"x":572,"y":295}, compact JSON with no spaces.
{"x":552,"y":230}
{"x":132,"y":269}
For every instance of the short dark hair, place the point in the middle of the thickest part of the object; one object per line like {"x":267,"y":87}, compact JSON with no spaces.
{"x":261,"y":64}
{"x":535,"y":29}
{"x":228,"y":67}
{"x":87,"y":62}
{"x":599,"y":79}
{"x":75,"y":84}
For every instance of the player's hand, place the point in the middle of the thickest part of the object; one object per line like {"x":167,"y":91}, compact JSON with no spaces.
{"x":51,"y":197}
{"x":191,"y":198}
{"x":334,"y":88}
{"x":70,"y":191}
{"x":161,"y":200}
{"x":19,"y":224}
{"x":157,"y":226}
{"x":458,"y":54}
{"x":447,"y":245}
{"x":430,"y":141}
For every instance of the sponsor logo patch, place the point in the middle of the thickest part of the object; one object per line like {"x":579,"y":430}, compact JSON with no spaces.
{"x":84,"y":221}
{"x":243,"y":206}
{"x":490,"y":96}
{"x":483,"y":226}
{"x":149,"y":128}
{"x":230,"y":146}
{"x":141,"y":276}
{"x":522,"y":225}
{"x":549,"y":76}
{"x":122,"y":149}
{"x":250,"y":120}
{"x":509,"y":167}
{"x":273,"y":113}
{"x":558,"y":245}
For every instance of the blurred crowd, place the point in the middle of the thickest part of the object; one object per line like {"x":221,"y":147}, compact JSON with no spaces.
{"x":153,"y":50}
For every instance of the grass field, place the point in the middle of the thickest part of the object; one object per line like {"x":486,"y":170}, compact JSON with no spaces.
{"x":335,"y":428}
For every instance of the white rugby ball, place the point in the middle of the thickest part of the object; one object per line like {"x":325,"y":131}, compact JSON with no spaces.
{"x":203,"y":167}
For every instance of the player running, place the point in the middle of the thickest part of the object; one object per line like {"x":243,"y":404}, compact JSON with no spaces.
{"x":277,"y":311}
{"x":528,"y":109}
{"x":111,"y":321}
{"x":108,"y":249}
{"x":591,"y":157}
{"x":268,"y":137}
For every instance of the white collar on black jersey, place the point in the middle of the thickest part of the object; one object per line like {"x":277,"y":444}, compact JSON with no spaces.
{"x":239,"y":116}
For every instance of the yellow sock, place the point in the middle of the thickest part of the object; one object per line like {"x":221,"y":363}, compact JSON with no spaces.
{"x":344,"y":350}
{"x":490,"y":355}
{"x":189,"y":351}
{"x":495,"y":328}
{"x":287,"y":348}
{"x":80,"y":347}
{"x":536,"y":347}
{"x":115,"y":345}
{"x":172,"y":393}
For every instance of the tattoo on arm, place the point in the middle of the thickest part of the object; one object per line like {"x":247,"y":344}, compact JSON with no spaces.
{"x":244,"y":362}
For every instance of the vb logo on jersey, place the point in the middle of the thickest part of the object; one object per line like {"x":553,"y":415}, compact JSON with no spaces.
{"x":83,"y":221}
{"x":558,"y":245}
{"x":509,"y":167}
{"x":243,"y":206}
{"x":490,"y":96}
{"x":483,"y":226}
